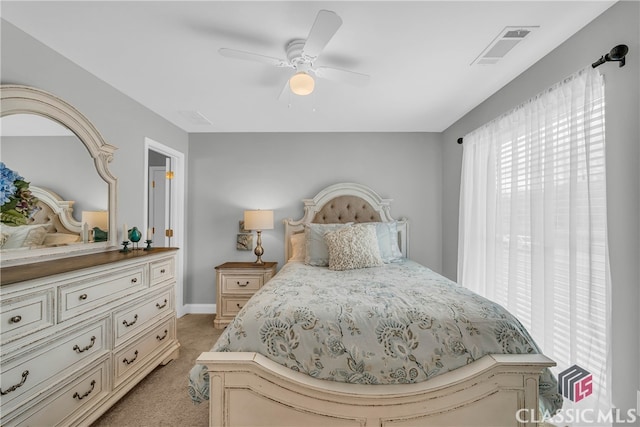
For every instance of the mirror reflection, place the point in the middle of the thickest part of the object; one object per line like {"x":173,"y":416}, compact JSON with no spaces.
{"x":52,"y":158}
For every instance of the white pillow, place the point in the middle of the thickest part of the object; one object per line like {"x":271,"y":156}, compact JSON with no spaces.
{"x":23,"y":236}
{"x":388,"y":241}
{"x":316,"y":252}
{"x":353,"y":247}
{"x":297,"y":247}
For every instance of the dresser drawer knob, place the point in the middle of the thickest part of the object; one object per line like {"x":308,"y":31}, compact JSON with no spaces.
{"x":134,"y":280}
{"x":129,"y":362}
{"x":25,"y":374}
{"x":15,"y":319}
{"x":163,"y":271}
{"x":242,"y":285}
{"x":77,"y":395}
{"x":82,"y":350}
{"x":160,"y":338}
{"x":160,"y":307}
{"x":83,"y":297}
{"x":238,"y":305}
{"x":133,"y":322}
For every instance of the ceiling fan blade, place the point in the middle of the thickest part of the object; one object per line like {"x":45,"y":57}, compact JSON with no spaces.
{"x":344,"y":76}
{"x":324,"y":28}
{"x":248,"y":56}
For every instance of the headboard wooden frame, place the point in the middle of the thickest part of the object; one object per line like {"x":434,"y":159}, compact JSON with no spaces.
{"x":55,"y":211}
{"x":353,"y":190}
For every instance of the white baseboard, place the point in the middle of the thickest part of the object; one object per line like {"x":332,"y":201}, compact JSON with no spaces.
{"x":197,"y":309}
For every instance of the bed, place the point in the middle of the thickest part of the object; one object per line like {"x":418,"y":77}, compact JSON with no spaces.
{"x":52,"y":224}
{"x":338,"y":338}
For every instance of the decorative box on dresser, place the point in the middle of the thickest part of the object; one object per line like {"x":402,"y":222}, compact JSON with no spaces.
{"x":236,"y":282}
{"x":77,"y":333}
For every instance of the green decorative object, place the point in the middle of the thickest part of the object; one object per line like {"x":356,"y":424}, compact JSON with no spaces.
{"x":135,"y":235}
{"x":100,"y":235}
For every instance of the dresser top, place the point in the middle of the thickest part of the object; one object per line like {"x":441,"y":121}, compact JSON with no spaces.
{"x":37,"y":270}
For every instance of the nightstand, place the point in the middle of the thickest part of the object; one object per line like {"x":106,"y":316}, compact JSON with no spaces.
{"x":236,"y":282}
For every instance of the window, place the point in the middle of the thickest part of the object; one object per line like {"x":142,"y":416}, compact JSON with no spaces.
{"x":533,"y":231}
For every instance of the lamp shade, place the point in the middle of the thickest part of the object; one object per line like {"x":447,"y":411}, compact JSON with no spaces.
{"x":301,"y":83}
{"x":258,"y":220}
{"x":98,"y":219}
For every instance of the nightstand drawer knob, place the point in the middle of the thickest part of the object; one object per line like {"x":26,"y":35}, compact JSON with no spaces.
{"x":15,"y":319}
{"x":134,"y":280}
{"x":238,"y":305}
{"x":83,"y":297}
{"x":242,"y":284}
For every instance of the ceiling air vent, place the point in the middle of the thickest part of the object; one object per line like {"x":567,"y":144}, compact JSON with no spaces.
{"x":195,"y":117}
{"x":508,"y":38}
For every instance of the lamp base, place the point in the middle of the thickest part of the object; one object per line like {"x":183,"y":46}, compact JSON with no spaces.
{"x":258,"y":250}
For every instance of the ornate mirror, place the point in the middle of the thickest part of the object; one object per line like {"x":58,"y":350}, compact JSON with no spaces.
{"x":54,"y":147}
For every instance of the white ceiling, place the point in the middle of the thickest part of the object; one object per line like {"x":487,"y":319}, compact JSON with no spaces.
{"x":164,"y":55}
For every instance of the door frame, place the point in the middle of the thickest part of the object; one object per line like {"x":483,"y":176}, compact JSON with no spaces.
{"x":178,"y":191}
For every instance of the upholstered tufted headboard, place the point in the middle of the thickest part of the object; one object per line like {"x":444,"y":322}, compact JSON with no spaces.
{"x":346,"y":209}
{"x":55,"y":212}
{"x":343,"y":203}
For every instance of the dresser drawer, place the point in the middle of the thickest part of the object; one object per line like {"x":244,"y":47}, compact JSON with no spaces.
{"x":238,"y":284}
{"x":232,"y":305}
{"x":29,"y":371}
{"x":64,"y":405}
{"x":79,"y":297}
{"x":161,"y":271}
{"x":26,"y":314}
{"x":133,"y":356}
{"x":130,"y":320}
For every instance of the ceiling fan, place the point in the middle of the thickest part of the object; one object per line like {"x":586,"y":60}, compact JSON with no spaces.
{"x":302,"y":55}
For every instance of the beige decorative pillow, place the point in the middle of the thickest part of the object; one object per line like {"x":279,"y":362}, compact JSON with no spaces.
{"x":297,"y":247}
{"x":353,"y":247}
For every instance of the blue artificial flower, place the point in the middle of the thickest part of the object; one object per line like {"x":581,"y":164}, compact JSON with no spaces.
{"x":16,"y":200}
{"x":7,"y":183}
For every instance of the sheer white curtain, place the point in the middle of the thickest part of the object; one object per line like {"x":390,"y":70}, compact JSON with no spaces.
{"x":532,"y":230}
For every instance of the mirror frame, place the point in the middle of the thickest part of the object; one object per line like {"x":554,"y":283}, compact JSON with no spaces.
{"x":18,"y":99}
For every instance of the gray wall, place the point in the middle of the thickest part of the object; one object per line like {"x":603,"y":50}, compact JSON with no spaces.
{"x":58,"y":163}
{"x":617,"y":25}
{"x":229,"y":173}
{"x":122,"y":121}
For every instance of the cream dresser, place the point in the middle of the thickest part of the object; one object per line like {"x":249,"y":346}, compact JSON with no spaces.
{"x":77,"y":333}
{"x":236,"y":282}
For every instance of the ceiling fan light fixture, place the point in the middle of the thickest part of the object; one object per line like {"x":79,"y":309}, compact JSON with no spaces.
{"x":301,"y":83}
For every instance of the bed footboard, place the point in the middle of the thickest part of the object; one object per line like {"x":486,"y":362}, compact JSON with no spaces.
{"x":247,"y":389}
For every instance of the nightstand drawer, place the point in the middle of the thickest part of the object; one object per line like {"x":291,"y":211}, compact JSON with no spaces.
{"x":231,"y":306}
{"x":161,"y":271}
{"x":26,"y":314}
{"x":29,"y":372}
{"x":237,"y":284}
{"x":77,"y":298}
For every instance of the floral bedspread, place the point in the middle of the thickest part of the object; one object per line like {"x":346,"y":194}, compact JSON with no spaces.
{"x":395,"y":324}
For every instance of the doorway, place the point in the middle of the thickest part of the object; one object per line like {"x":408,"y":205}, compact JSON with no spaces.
{"x":164,"y":190}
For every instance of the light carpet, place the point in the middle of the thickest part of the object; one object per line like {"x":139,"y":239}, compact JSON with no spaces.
{"x":162,"y":399}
